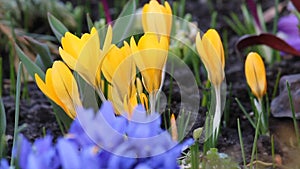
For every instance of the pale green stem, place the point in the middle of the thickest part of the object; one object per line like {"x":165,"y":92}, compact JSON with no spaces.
{"x":101,"y":95}
{"x":152,"y":98}
{"x":260,"y":111}
{"x":217,"y":115}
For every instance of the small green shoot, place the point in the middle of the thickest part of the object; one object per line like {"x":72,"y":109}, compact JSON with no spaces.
{"x":254,"y":147}
{"x":241,"y":142}
{"x":293,"y":112}
{"x":276,"y":84}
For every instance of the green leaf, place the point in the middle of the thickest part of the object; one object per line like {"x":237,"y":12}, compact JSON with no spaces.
{"x":57,"y":27}
{"x":2,"y":120}
{"x":89,"y":21}
{"x":31,"y":67}
{"x":43,"y":50}
{"x":39,"y":62}
{"x":123,"y":24}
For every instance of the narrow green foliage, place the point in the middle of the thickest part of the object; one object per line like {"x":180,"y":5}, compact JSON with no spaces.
{"x":206,"y":95}
{"x":275,"y":20}
{"x":261,"y":18}
{"x":225,"y":42}
{"x":171,"y":84}
{"x":213,"y":19}
{"x":181,"y":9}
{"x":227,"y":107}
{"x":195,"y":155}
{"x":245,"y":113}
{"x":57,"y":27}
{"x":44,"y":52}
{"x":183,"y":120}
{"x":17,"y":108}
{"x":89,"y":21}
{"x":276,"y":84}
{"x":293,"y":112}
{"x":25,"y":90}
{"x":254,"y":147}
{"x":2,"y":120}
{"x":241,"y":142}
{"x":12,"y":71}
{"x":31,"y":67}
{"x":123,"y":24}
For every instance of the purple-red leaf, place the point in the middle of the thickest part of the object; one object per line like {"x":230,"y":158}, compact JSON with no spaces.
{"x":296,"y":3}
{"x":266,"y":39}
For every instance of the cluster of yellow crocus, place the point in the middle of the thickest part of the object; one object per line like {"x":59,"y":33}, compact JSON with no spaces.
{"x":118,"y":65}
{"x":210,"y":49}
{"x":256,"y":74}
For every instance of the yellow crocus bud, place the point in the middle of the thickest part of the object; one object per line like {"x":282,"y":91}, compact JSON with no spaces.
{"x":256,"y":74}
{"x":210,"y":49}
{"x":60,"y":86}
{"x":157,"y":18}
{"x":174,"y":128}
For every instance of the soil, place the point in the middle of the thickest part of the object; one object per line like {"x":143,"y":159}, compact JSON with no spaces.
{"x":37,"y":114}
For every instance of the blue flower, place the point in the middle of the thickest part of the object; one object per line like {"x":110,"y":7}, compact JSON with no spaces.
{"x":288,"y":27}
{"x":4,"y":164}
{"x":104,"y":140}
{"x":103,"y":128}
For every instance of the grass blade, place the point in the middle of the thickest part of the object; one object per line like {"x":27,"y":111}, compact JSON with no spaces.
{"x":293,"y":112}
{"x":17,"y":109}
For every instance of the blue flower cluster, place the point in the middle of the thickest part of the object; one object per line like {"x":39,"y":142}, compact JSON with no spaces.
{"x":103,"y":140}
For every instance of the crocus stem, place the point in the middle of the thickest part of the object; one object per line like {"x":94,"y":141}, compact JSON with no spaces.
{"x":217,"y":115}
{"x":101,"y":95}
{"x":152,"y":97}
{"x":262,"y":119}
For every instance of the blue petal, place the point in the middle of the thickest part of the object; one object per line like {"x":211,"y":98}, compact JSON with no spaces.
{"x":4,"y":164}
{"x":68,"y":154}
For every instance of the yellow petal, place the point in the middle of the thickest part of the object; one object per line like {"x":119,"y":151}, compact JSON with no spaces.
{"x":48,"y":89}
{"x":211,"y":55}
{"x":215,"y":40}
{"x":256,"y":74}
{"x":65,"y":87}
{"x":150,"y":57}
{"x":157,"y":18}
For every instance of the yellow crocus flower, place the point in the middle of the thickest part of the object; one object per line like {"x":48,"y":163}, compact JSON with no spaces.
{"x":84,"y":55}
{"x":210,"y":49}
{"x":256,"y":74}
{"x":150,"y":56}
{"x":157,"y":18}
{"x":119,"y":70}
{"x":61,"y":87}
